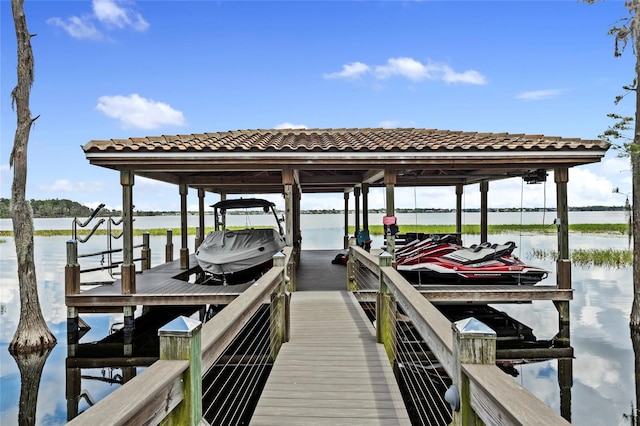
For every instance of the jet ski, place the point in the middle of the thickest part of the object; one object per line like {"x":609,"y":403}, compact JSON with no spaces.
{"x":439,"y":260}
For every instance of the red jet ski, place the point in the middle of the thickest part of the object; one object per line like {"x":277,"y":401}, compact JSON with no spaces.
{"x":442,"y":261}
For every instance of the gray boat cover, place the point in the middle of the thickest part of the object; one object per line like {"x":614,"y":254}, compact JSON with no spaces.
{"x":226,"y":252}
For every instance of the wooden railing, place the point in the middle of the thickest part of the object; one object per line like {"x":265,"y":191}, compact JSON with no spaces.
{"x":167,"y":391}
{"x":484,"y":392}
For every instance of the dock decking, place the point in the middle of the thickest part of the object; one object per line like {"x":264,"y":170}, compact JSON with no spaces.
{"x":159,"y":285}
{"x":332,"y":371}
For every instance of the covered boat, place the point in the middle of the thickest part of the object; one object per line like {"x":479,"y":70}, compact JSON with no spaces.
{"x":440,"y":260}
{"x":235,"y":256}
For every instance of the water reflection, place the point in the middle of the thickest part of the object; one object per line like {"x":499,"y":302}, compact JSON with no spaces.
{"x":30,"y":366}
{"x":604,"y":369}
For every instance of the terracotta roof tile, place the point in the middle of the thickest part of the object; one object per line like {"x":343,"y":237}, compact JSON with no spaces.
{"x":346,"y":140}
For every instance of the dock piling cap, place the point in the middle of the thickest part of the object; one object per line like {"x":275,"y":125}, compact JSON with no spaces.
{"x":472,"y":327}
{"x":180,"y":327}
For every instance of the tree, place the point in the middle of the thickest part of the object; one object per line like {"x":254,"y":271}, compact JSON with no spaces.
{"x":627,"y":32}
{"x":32,"y":333}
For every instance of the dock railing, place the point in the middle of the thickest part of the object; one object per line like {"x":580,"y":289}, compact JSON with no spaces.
{"x":168,"y":391}
{"x":482,"y":390}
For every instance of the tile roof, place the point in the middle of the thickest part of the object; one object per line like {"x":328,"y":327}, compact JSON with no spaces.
{"x":343,"y":140}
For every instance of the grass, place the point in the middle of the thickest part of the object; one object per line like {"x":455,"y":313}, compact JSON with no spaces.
{"x":84,"y":232}
{"x":612,"y":258}
{"x":592,"y":228}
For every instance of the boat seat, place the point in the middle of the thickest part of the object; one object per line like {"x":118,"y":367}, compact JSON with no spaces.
{"x":480,"y":254}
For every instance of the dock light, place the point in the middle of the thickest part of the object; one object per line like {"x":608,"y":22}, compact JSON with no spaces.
{"x":452,"y":396}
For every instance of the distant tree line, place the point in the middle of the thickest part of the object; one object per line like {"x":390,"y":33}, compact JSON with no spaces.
{"x":52,"y":208}
{"x":67,"y":208}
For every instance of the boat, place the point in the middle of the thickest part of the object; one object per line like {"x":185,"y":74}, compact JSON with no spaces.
{"x":441,"y":260}
{"x":240,"y":255}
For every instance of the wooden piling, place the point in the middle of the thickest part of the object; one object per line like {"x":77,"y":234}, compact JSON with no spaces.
{"x":72,"y":269}
{"x":168,"y":250}
{"x":386,"y":311}
{"x":180,"y":340}
{"x":474,"y":343}
{"x":146,"y":252}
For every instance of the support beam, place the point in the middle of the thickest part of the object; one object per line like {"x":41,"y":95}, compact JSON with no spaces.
{"x":356,"y":193}
{"x":561,"y":177}
{"x":365,"y":206}
{"x":389,"y":184}
{"x":200,"y":236}
{"x":289,"y":181}
{"x":345,"y":242}
{"x":128,"y":268}
{"x":459,"y":193}
{"x":484,"y":209}
{"x":184,"y":248}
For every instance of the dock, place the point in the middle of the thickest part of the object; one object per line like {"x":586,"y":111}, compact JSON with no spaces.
{"x":330,"y":369}
{"x":331,"y":372}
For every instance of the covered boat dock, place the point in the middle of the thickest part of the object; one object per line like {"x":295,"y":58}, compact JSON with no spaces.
{"x":293,"y":162}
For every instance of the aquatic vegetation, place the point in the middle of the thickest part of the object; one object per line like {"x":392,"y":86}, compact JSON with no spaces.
{"x":609,"y":257}
{"x":595,"y":228}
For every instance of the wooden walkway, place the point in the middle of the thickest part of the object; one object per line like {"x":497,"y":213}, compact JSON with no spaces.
{"x":332,"y":371}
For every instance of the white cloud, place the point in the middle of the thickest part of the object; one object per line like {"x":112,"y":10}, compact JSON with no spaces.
{"x":352,"y":70}
{"x":64,"y":185}
{"x":469,"y":76}
{"x":404,"y":67}
{"x":410,"y":69}
{"x":394,"y":124}
{"x":77,"y":27}
{"x":134,"y":111}
{"x":108,"y":13}
{"x":537,"y":95}
{"x":112,"y":13}
{"x":287,"y":125}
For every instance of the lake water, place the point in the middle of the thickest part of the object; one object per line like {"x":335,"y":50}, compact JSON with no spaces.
{"x":603,"y":389}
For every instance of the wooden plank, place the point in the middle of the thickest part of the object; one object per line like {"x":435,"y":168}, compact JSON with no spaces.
{"x":331,"y":370}
{"x":163,"y":388}
{"x":499,"y":400}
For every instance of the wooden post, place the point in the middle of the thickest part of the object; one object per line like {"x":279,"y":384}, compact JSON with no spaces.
{"x":474,"y":343}
{"x":146,"y":252}
{"x":72,"y":269}
{"x":346,"y":221}
{"x":200,"y":235}
{"x":279,"y":329}
{"x":561,"y":177}
{"x":565,"y":382}
{"x":73,"y":390}
{"x":180,"y":340}
{"x":356,"y":194}
{"x":352,"y":283}
{"x":365,"y":206}
{"x":459,"y":192}
{"x":484,"y":209}
{"x":563,"y":264}
{"x":390,"y":182}
{"x":129,"y":326}
{"x":184,"y":230}
{"x":386,"y":311}
{"x":128,"y":268}
{"x":73,"y":331}
{"x":168,"y":248}
{"x":288,"y":215}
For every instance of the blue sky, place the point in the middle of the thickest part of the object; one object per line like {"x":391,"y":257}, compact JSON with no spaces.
{"x":116,"y":69}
